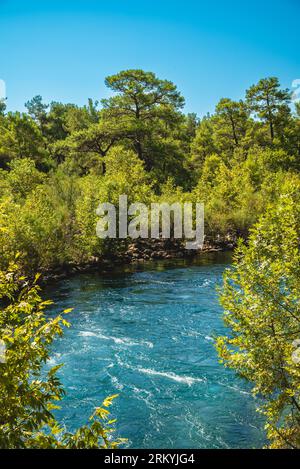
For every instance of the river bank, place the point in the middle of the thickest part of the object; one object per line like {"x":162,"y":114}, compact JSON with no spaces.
{"x":138,"y":251}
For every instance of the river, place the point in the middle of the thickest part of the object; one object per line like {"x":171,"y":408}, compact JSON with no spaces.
{"x":146,"y":332}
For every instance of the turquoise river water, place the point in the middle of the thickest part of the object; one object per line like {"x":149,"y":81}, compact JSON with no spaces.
{"x":147,"y":333}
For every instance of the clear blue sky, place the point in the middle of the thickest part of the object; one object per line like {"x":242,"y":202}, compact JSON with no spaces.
{"x":64,"y":49}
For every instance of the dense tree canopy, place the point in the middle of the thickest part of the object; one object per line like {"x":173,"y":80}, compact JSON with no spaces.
{"x":52,"y":156}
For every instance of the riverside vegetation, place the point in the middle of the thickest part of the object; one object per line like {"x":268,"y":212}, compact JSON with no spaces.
{"x":58,"y":161}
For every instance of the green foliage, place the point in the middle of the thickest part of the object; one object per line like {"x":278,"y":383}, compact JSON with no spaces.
{"x":228,"y":210}
{"x":23,"y":177}
{"x":270,"y":103}
{"x":36,"y":109}
{"x":141,"y":94}
{"x":231,"y":122}
{"x":21,"y":138}
{"x":44,"y":228}
{"x":203,"y":144}
{"x":2,"y":107}
{"x":29,"y":395}
{"x":148,"y":108}
{"x":262,"y":310}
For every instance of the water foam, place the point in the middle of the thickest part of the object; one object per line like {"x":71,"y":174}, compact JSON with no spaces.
{"x":189,"y":380}
{"x":117,"y":340}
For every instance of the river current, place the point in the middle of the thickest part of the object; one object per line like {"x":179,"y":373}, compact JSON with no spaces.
{"x":147,"y":333}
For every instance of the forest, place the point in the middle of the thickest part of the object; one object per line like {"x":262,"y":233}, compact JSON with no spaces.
{"x":58,"y":161}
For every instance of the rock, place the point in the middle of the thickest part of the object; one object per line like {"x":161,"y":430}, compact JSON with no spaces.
{"x":161,"y":253}
{"x":136,"y":255}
